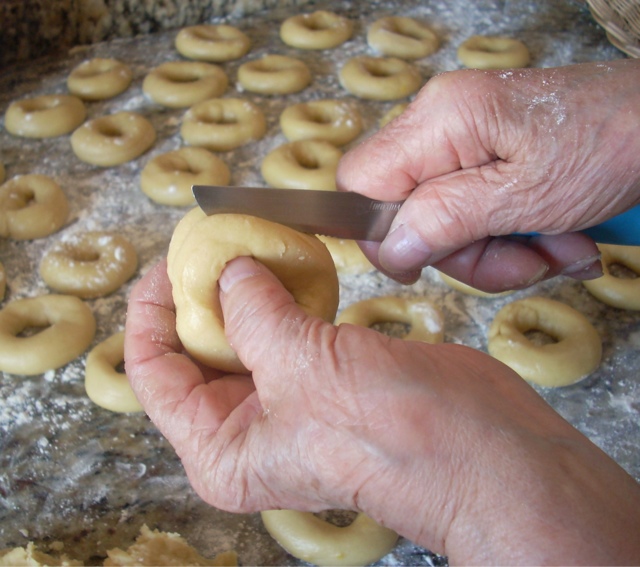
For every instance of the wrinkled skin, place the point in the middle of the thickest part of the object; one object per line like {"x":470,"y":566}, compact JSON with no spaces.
{"x":480,"y":154}
{"x":442,"y":443}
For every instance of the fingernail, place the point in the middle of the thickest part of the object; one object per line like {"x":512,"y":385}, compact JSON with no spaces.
{"x":403,"y":251}
{"x":237,"y":270}
{"x":537,"y":277}
{"x":591,"y":267}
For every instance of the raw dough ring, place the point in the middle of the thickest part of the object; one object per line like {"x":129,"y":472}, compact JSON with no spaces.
{"x":574,"y":356}
{"x":493,"y":52}
{"x":113,"y":139}
{"x":99,"y":79}
{"x":318,"y":30}
{"x":399,"y":36}
{"x":104,"y":385}
{"x":305,"y":164}
{"x":89,"y":265}
{"x":316,"y":541}
{"x":223,"y":124}
{"x":68,"y":328}
{"x":31,"y":206}
{"x":274,"y":75}
{"x":334,"y":121}
{"x":215,"y":43}
{"x":425,"y":320}
{"x":347,"y":255}
{"x":623,"y":293}
{"x":178,"y":84}
{"x":380,"y":78}
{"x":200,"y":248}
{"x":168,"y":178}
{"x":45,"y":116}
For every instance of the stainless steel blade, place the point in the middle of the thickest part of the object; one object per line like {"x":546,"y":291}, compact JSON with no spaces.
{"x":330,"y":213}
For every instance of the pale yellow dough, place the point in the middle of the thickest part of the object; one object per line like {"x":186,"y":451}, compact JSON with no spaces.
{"x":274,"y":75}
{"x":215,"y":43}
{"x":3,"y":281}
{"x":347,"y":256}
{"x":575,"y":354}
{"x":99,"y":79}
{"x":395,"y":111}
{"x":623,"y":293}
{"x":3,"y":172}
{"x":317,"y":30}
{"x":493,"y":52}
{"x":403,"y":37}
{"x":30,"y":556}
{"x":45,"y":116}
{"x":316,"y":541}
{"x":200,"y":248}
{"x":380,"y":78}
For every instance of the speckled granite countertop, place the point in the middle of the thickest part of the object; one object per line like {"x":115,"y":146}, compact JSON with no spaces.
{"x":73,"y":472}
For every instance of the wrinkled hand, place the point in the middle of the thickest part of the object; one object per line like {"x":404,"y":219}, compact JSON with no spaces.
{"x":440,"y":442}
{"x":482,"y":154}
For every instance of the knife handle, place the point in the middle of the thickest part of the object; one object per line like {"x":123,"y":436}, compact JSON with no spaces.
{"x":623,"y":229}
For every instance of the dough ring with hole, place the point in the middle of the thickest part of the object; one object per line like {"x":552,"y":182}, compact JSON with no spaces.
{"x":274,"y":75}
{"x":31,"y":206}
{"x":623,"y":293}
{"x":46,"y":116}
{"x":575,"y":354}
{"x":99,"y":79}
{"x":104,"y":384}
{"x":200,"y":248}
{"x":347,"y":255}
{"x":493,"y":52}
{"x":214,"y":43}
{"x":67,"y":328}
{"x":316,"y":541}
{"x":399,"y":36}
{"x":89,"y":264}
{"x":318,"y":30}
{"x":380,"y":78}
{"x":426,"y":322}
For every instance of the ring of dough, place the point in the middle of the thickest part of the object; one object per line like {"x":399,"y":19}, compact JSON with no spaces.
{"x":399,"y":36}
{"x":31,"y":206}
{"x":347,"y":255}
{"x":168,"y":178}
{"x":223,"y":124}
{"x":316,"y":541}
{"x":178,"y":84}
{"x":623,"y":293}
{"x":466,"y":288}
{"x":305,"y":164}
{"x":67,"y":327}
{"x":493,"y":52}
{"x":318,"y":30}
{"x":99,"y":79}
{"x":45,"y":116}
{"x":274,"y":75}
{"x":104,"y":385}
{"x":89,"y":264}
{"x":200,"y":248}
{"x":426,"y":322}
{"x":574,"y":356}
{"x":334,"y":121}
{"x":113,"y":139}
{"x":379,"y":78}
{"x":214,"y":43}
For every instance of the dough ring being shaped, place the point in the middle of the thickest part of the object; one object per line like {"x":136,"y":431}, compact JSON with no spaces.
{"x":168,"y":178}
{"x":305,"y":164}
{"x":31,"y":206}
{"x":347,"y":255}
{"x":214,"y":43}
{"x":493,"y":52}
{"x":46,"y":116}
{"x":223,"y":124}
{"x":89,"y":264}
{"x":113,"y":139}
{"x":67,"y":327}
{"x":99,"y":79}
{"x":623,"y":293}
{"x":466,"y":288}
{"x":179,"y":84}
{"x":379,"y":78}
{"x":334,"y":121}
{"x":200,"y":248}
{"x":274,"y":75}
{"x":575,"y":354}
{"x":309,"y":538}
{"x":399,"y":36}
{"x":317,"y":30}
{"x":426,"y":322}
{"x":104,"y":384}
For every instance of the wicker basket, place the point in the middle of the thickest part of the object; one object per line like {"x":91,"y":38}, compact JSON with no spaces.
{"x":621,"y":21}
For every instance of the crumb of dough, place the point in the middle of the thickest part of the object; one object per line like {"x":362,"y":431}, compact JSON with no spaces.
{"x":30,"y":556}
{"x":164,"y":548}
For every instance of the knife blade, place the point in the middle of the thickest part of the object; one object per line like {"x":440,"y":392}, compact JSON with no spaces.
{"x":354,"y":216}
{"x":330,"y":213}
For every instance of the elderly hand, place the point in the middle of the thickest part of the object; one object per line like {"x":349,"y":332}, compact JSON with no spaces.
{"x":483,"y":154}
{"x":441,"y":443}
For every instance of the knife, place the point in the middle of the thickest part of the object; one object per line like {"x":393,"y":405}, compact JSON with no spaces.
{"x":354,"y":216}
